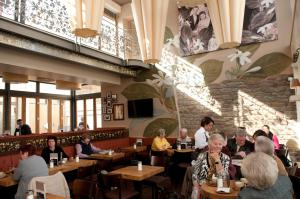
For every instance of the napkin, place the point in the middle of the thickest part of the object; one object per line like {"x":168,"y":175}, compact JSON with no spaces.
{"x":223,"y":189}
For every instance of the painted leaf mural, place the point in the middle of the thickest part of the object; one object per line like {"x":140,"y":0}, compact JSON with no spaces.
{"x":271,"y":64}
{"x":140,"y":91}
{"x":169,"y":124}
{"x":170,"y":103}
{"x":145,"y":74}
{"x":168,"y":34}
{"x":252,"y":48}
{"x":211,"y":70}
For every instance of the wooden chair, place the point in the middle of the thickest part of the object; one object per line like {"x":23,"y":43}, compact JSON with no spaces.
{"x":87,"y":173}
{"x":112,"y":186}
{"x":85,"y":189}
{"x":160,"y":184}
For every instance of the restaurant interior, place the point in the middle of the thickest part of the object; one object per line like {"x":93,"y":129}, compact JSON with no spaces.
{"x":134,"y":92}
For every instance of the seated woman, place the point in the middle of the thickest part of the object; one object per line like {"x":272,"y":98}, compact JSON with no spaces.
{"x":85,"y":148}
{"x":160,"y":143}
{"x":53,"y":148}
{"x":261,"y":172}
{"x":265,"y":145}
{"x":30,"y":166}
{"x":259,"y":133}
{"x":210,"y":162}
{"x":272,"y":136}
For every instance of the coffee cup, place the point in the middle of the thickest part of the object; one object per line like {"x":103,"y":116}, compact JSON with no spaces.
{"x":244,"y":180}
{"x":239,"y":184}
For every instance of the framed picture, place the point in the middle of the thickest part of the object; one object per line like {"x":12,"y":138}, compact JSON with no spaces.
{"x":104,"y":100}
{"x":114,"y":97}
{"x":106,"y":117}
{"x":104,"y":109}
{"x":109,"y":111}
{"x":109,"y":104}
{"x":118,"y":112}
{"x":108,"y":95}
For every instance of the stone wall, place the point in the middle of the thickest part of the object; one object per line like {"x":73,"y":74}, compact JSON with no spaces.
{"x":245,"y":103}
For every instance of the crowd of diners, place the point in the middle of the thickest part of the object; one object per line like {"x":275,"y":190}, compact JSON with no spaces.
{"x":213,"y":154}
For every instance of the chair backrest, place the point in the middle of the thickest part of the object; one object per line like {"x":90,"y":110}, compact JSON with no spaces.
{"x":108,"y":182}
{"x":83,"y":172}
{"x":85,"y":189}
{"x":292,"y":170}
{"x":158,"y":161}
{"x":55,"y":184}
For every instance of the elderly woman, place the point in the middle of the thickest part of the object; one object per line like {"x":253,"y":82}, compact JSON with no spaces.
{"x":160,"y":143}
{"x":240,"y":146}
{"x":30,"y":166}
{"x":265,"y":145}
{"x":210,"y":162}
{"x":261,"y":172}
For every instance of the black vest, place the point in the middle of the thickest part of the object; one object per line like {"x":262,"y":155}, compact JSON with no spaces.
{"x":86,"y":148}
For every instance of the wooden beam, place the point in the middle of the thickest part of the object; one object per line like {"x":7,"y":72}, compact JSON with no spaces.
{"x":37,"y":115}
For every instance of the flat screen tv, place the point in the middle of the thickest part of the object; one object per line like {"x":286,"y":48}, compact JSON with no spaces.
{"x":140,"y":108}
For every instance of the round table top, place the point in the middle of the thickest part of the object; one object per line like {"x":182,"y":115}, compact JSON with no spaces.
{"x":210,"y":192}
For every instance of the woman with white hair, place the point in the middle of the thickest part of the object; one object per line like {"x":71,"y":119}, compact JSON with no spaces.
{"x":210,"y":162}
{"x":261,"y":172}
{"x":160,"y":143}
{"x":265,"y":145}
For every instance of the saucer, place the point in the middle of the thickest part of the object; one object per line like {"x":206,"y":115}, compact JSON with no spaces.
{"x":2,"y":175}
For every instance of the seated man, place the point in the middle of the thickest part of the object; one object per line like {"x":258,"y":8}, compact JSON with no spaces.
{"x":239,"y":147}
{"x":22,"y":129}
{"x":160,"y":143}
{"x":85,"y":148}
{"x":183,"y":138}
{"x":53,"y":148}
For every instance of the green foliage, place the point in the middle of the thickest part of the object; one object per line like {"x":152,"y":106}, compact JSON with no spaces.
{"x":211,"y":70}
{"x":169,"y":124}
{"x":140,"y":91}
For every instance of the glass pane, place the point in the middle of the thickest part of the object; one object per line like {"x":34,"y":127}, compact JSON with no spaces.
{"x":98,"y":112}
{"x":1,"y":114}
{"x":30,"y":113}
{"x":67,"y":115}
{"x":88,"y":89}
{"x":79,"y":107}
{"x":51,"y":88}
{"x":90,"y":113}
{"x":108,"y":37}
{"x":28,"y":87}
{"x":2,"y":84}
{"x":43,"y":120}
{"x":55,"y":115}
{"x":7,"y":9}
{"x":16,"y":112}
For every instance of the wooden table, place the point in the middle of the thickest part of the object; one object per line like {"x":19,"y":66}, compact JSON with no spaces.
{"x":52,"y":196}
{"x":132,"y":173}
{"x":133,"y":150}
{"x":172,"y":151}
{"x":210,"y":192}
{"x":69,"y":166}
{"x":113,"y":156}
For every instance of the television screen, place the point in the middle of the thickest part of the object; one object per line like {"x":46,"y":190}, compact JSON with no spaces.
{"x":140,"y":108}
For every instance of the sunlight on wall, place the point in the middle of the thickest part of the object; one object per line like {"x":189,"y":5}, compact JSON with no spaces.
{"x":253,"y":114}
{"x":189,"y":79}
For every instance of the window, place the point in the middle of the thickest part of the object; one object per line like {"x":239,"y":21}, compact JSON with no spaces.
{"x":30,"y":113}
{"x":43,"y":120}
{"x":66,"y":115}
{"x":16,"y":112}
{"x":98,"y":113}
{"x":90,"y":113}
{"x":1,"y":113}
{"x":56,"y":115}
{"x":51,"y":88}
{"x":27,"y":87}
{"x":2,"y":84}
{"x":80,"y":109}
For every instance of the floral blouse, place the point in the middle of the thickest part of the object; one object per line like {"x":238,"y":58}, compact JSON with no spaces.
{"x":201,"y":166}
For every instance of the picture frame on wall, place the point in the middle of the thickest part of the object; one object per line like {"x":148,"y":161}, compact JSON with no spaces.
{"x":114,"y":97}
{"x":107,"y":117}
{"x":109,"y":104}
{"x":104,"y":100}
{"x":109,"y":111}
{"x":104,"y":110}
{"x":118,"y":111}
{"x":108,"y":95}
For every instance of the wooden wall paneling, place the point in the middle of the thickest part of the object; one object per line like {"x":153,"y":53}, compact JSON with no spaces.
{"x":23,"y":109}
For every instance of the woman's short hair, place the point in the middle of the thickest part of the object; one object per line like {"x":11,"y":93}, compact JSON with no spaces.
{"x":215,"y":136}
{"x":161,"y":131}
{"x":265,"y":145}
{"x":241,"y":132}
{"x":259,"y":133}
{"x":206,"y":121}
{"x":27,"y":148}
{"x":52,"y":137}
{"x":260,"y":170}
{"x":85,"y":136}
{"x":267,"y":126}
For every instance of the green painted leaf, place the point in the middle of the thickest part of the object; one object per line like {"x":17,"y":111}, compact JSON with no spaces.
{"x":211,"y":70}
{"x":251,"y":48}
{"x":169,"y":124}
{"x":168,"y":34}
{"x":145,"y":74}
{"x":192,"y":58}
{"x":272,"y":64}
{"x":140,"y":91}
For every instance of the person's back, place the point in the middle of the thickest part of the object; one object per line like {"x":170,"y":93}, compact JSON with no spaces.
{"x":31,"y":167}
{"x":282,"y":189}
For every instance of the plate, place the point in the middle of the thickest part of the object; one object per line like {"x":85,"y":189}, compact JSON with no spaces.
{"x":2,"y":175}
{"x":223,"y":190}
